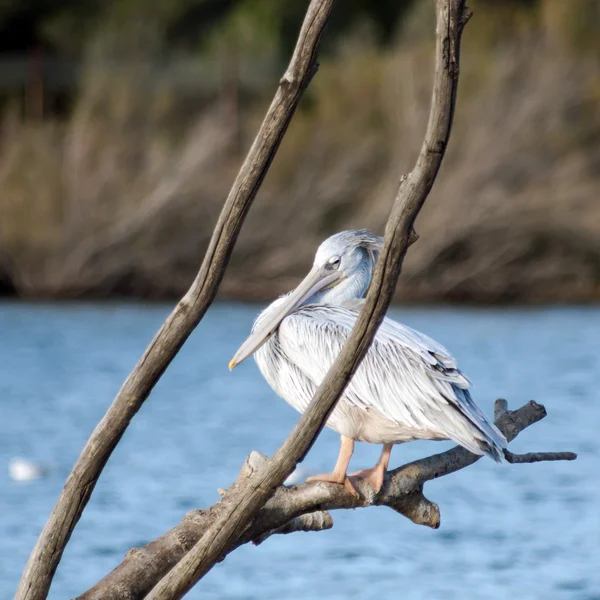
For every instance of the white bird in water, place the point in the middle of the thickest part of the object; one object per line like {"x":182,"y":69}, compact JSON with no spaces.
{"x":21,"y":469}
{"x":407,"y":387}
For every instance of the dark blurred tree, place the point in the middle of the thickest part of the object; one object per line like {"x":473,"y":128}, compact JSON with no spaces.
{"x":22,"y":22}
{"x":284,"y":18}
{"x":63,"y":26}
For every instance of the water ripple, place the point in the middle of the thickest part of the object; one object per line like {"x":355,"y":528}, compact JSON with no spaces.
{"x":528,"y":531}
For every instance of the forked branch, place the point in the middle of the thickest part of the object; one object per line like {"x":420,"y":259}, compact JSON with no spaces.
{"x":305,"y":507}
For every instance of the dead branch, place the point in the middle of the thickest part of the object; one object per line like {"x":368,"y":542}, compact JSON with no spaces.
{"x":226,"y":529}
{"x":314,"y":521}
{"x":305,"y":507}
{"x":43,"y":561}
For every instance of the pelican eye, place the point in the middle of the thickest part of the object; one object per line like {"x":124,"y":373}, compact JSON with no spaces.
{"x":334,"y":262}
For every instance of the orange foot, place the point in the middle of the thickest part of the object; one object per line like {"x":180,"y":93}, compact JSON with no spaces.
{"x":335,"y":478}
{"x":373,"y":476}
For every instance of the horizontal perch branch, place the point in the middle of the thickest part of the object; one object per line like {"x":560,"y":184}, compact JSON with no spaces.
{"x":304,"y":507}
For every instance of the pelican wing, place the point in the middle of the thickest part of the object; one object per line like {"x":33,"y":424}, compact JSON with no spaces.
{"x":407,"y":376}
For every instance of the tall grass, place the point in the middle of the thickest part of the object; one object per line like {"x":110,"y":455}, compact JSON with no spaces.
{"x":122,"y":197}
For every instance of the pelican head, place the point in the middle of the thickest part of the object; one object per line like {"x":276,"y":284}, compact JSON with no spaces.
{"x":341,"y":271}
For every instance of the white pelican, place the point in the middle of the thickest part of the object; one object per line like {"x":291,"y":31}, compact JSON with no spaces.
{"x":408,"y":386}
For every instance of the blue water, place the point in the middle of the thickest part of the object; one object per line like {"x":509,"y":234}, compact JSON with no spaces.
{"x":524,"y":531}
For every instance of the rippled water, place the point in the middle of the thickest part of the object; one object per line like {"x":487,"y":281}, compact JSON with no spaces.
{"x":523,"y":531}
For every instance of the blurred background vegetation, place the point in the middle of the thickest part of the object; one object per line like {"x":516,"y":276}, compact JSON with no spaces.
{"x":123,"y":124}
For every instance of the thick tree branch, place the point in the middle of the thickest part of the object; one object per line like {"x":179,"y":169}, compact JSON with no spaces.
{"x":314,"y":521}
{"x":304,"y":507}
{"x":225,"y":531}
{"x":44,"y":559}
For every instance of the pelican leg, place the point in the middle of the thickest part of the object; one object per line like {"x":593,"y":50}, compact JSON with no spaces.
{"x":374,"y":476}
{"x":341,"y":467}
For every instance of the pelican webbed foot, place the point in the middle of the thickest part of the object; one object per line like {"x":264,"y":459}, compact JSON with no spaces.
{"x":334,"y":477}
{"x":341,"y":467}
{"x":373,"y":476}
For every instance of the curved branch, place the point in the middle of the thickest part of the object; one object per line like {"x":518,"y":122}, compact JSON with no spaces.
{"x":44,"y":559}
{"x":451,"y":16}
{"x":304,"y":507}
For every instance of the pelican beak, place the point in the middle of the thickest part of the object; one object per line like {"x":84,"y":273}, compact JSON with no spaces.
{"x":317,"y":279}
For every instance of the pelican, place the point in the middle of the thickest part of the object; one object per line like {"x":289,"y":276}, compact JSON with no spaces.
{"x":408,"y":387}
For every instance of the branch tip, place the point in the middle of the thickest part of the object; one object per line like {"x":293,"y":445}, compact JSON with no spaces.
{"x":465,"y":17}
{"x":533,"y":457}
{"x":413,"y":236}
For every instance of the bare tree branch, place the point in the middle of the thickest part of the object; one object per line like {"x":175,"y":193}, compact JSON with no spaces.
{"x":451,"y":16}
{"x":43,"y":561}
{"x":533,"y":457}
{"x":304,"y":507}
{"x":314,"y":521}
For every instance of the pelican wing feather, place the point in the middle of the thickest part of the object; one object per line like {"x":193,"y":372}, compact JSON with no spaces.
{"x":407,"y":376}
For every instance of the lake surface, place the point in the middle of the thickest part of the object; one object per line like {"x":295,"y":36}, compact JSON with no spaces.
{"x":520,"y":531}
